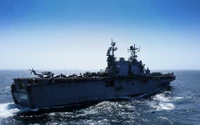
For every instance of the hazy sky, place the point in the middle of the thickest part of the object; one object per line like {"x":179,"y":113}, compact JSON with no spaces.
{"x":75,"y":34}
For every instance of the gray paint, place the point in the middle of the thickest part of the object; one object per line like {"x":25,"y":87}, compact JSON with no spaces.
{"x":121,"y":78}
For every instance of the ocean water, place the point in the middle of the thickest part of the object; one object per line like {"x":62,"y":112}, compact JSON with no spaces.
{"x":178,"y":105}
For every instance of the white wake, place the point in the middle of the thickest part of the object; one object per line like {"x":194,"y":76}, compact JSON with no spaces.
{"x":161,"y":102}
{"x":11,"y":109}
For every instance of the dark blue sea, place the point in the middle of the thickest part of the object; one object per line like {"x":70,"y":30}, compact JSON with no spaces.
{"x":178,"y":105}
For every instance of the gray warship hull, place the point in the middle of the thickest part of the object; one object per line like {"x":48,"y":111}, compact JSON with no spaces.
{"x":51,"y":92}
{"x":121,"y":78}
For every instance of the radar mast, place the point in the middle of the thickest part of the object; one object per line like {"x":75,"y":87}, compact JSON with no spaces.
{"x":133,"y":50}
{"x":113,"y":48}
{"x":111,"y":63}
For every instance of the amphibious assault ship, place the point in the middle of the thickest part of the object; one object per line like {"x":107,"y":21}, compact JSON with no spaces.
{"x":121,"y":78}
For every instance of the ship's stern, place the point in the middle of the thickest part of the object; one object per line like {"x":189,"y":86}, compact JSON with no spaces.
{"x":19,"y":90}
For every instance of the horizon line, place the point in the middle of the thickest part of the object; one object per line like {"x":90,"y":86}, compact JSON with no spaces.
{"x":101,"y":69}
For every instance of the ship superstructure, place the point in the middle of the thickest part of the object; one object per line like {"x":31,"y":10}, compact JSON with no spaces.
{"x":121,"y":78}
{"x":125,"y":67}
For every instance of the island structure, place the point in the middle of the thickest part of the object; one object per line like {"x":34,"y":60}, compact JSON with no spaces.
{"x":121,"y":78}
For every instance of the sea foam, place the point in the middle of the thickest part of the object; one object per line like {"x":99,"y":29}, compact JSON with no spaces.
{"x":11,"y":109}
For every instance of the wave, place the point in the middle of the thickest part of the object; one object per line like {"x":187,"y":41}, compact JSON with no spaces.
{"x":162,"y":102}
{"x":8,"y":110}
{"x":11,"y":109}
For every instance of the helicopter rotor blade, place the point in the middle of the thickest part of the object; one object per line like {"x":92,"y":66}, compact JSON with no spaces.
{"x":31,"y":70}
{"x":128,"y":50}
